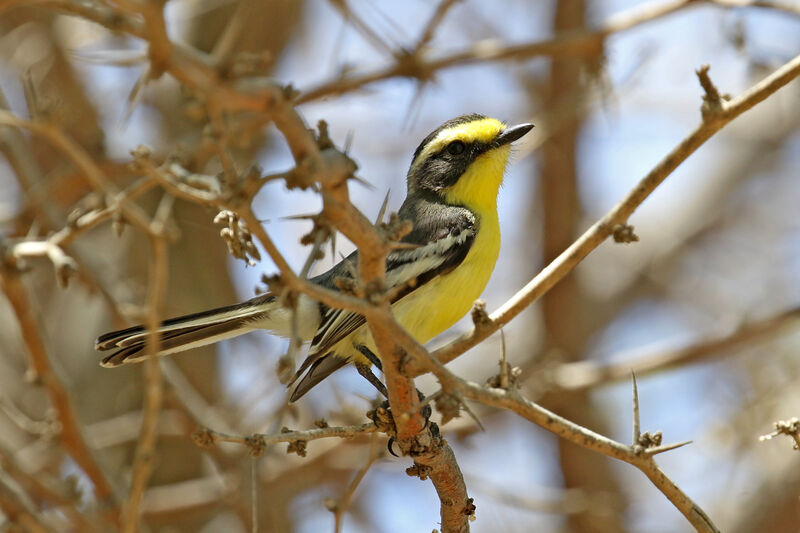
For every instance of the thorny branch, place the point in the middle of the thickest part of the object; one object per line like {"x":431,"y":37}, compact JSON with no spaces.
{"x":258,"y":442}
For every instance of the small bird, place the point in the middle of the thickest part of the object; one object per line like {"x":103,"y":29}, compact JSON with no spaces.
{"x":453,"y":182}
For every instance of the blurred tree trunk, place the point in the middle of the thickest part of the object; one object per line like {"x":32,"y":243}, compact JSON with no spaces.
{"x":566,"y":307}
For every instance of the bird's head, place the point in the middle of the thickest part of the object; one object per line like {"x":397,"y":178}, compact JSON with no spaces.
{"x":464,"y":159}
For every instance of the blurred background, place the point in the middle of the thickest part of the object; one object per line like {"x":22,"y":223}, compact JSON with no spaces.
{"x":704,"y":307}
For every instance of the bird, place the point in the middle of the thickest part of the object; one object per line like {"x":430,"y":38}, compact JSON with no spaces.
{"x":452,"y":188}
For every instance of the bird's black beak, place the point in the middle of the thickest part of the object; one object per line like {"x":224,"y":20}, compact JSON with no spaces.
{"x":511,"y":134}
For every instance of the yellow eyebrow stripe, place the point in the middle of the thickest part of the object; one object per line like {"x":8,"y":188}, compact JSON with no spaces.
{"x":483,"y":130}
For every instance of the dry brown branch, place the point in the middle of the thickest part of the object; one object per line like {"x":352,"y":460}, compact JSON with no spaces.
{"x":82,"y":160}
{"x":257,"y":442}
{"x":153,"y":384}
{"x":339,"y":506}
{"x":189,"y":496}
{"x":618,"y":215}
{"x":361,"y":27}
{"x":441,"y":466}
{"x":191,"y":399}
{"x":166,"y":177}
{"x":41,"y":491}
{"x":586,"y":374}
{"x":433,"y":23}
{"x":577,"y":42}
{"x":17,"y":512}
{"x":70,"y":436}
{"x":635,"y":454}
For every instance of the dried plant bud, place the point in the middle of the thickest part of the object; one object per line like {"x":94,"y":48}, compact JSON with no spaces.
{"x":419,"y":470}
{"x":204,"y":438}
{"x":255,"y":445}
{"x":469,"y":509}
{"x":65,"y":268}
{"x":449,"y":406}
{"x":140,"y":153}
{"x":512,"y":373}
{"x":623,"y":233}
{"x":237,"y":237}
{"x":289,"y":92}
{"x":331,"y":504}
{"x":650,"y":440}
{"x":479,"y":315}
{"x":323,"y":137}
{"x":790,"y":428}
{"x":298,"y":447}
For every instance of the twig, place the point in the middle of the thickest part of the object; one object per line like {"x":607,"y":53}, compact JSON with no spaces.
{"x":43,"y":492}
{"x":340,"y":506}
{"x":790,"y":428}
{"x":433,"y":23}
{"x":370,"y":35}
{"x":585,"y":375}
{"x":82,"y":160}
{"x":254,"y":494}
{"x":637,"y":426}
{"x":456,"y":508}
{"x":576,"y":42}
{"x":503,"y":363}
{"x":153,"y":385}
{"x":194,"y":402}
{"x":70,"y":436}
{"x":257,"y":442}
{"x":17,"y":511}
{"x":288,"y":276}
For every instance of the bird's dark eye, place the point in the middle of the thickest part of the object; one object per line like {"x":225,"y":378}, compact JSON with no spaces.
{"x":455,"y":148}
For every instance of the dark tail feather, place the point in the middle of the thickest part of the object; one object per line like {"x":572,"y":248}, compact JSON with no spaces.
{"x":172,"y":339}
{"x":321,"y":369}
{"x":126,"y":337}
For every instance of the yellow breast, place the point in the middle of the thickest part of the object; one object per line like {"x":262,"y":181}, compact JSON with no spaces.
{"x":440,"y":303}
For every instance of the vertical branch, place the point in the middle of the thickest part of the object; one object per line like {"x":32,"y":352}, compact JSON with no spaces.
{"x":637,"y":425}
{"x":16,"y":511}
{"x":71,"y":438}
{"x":153,"y":385}
{"x":456,"y":506}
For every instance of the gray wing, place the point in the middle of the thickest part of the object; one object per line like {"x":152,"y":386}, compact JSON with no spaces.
{"x":444,"y":235}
